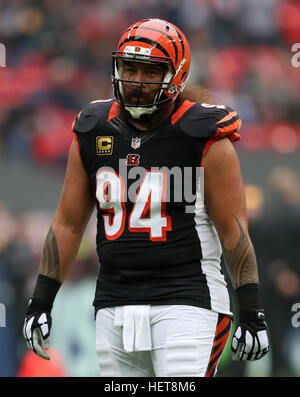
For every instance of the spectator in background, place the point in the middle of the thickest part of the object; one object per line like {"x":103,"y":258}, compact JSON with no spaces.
{"x":287,"y":16}
{"x":8,"y":362}
{"x":21,"y":240}
{"x":59,"y":55}
{"x":279,"y":243}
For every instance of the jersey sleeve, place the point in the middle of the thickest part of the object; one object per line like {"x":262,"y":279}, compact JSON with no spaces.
{"x":211,"y":122}
{"x":229,"y":125}
{"x":84,"y":122}
{"x":91,"y":117}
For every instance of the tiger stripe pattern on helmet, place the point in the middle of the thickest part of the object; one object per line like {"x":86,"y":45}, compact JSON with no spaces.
{"x":161,"y":28}
{"x":154,"y":40}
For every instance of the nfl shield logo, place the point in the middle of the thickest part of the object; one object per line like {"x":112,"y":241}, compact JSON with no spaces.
{"x":135,"y":143}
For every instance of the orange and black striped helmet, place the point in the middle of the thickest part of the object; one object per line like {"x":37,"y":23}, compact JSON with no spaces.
{"x":153,"y":40}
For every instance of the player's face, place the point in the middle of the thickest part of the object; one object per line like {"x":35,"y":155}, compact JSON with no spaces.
{"x":134,"y":92}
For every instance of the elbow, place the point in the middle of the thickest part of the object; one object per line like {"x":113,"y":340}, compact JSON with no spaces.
{"x":232,"y":232}
{"x":64,"y":222}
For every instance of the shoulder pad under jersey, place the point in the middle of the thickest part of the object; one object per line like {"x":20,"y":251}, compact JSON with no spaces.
{"x":93,"y":115}
{"x":203,"y":120}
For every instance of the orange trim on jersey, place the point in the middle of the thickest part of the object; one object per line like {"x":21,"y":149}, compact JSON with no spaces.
{"x":181,"y":110}
{"x":109,"y":213}
{"x":72,"y":128}
{"x":235,"y":136}
{"x":228,"y":117}
{"x":207,"y":146}
{"x":147,"y":207}
{"x":114,"y":111}
{"x":77,"y":144}
{"x":77,"y":117}
{"x":75,"y":135}
{"x":223,"y":131}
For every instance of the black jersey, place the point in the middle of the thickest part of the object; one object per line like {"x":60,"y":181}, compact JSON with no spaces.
{"x":155,"y":240}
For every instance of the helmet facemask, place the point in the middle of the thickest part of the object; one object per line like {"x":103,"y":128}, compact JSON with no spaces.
{"x":151,"y":41}
{"x":138,"y":110}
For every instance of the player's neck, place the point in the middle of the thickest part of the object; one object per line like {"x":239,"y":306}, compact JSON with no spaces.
{"x":154,"y":121}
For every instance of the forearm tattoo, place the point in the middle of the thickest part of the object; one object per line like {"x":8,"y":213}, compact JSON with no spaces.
{"x":49,"y":265}
{"x":241,"y":261}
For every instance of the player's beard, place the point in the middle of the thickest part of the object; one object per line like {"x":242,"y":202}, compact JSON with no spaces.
{"x":149,"y":120}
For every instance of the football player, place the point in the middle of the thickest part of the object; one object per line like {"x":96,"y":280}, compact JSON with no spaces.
{"x":162,"y":306}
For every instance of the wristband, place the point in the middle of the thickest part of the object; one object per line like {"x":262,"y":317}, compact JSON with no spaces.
{"x":248,"y":297}
{"x":44,"y":294}
{"x":250,"y":306}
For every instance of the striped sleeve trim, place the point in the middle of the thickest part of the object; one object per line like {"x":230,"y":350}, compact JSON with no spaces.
{"x":219,"y":343}
{"x":229,"y":126}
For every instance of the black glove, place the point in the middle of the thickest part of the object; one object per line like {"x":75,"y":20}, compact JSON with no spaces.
{"x":36,"y":331}
{"x":250,"y":340}
{"x":37,"y":324}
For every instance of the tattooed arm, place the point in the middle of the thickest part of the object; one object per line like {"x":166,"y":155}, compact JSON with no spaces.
{"x":225,"y":198}
{"x":62,"y":242}
{"x":74,"y":210}
{"x":241,"y":260}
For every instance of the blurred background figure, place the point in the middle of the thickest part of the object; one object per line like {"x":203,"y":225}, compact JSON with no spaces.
{"x":282,"y":273}
{"x":275,"y":232}
{"x":58,"y":57}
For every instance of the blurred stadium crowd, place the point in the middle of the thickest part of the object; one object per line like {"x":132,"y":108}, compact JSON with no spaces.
{"x":59,"y":59}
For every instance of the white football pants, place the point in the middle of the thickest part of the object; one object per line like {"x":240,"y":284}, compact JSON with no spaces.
{"x":160,"y":341}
